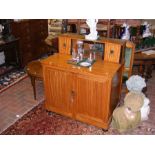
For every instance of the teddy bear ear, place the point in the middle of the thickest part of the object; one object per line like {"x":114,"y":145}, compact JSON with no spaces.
{"x":134,"y":101}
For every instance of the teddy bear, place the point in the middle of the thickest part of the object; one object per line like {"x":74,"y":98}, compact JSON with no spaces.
{"x":137,"y":83}
{"x":135,"y":108}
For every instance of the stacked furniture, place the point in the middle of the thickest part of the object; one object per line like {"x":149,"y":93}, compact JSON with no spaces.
{"x":32,"y":34}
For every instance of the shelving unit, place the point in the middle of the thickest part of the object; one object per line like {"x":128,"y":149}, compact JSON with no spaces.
{"x":12,"y":55}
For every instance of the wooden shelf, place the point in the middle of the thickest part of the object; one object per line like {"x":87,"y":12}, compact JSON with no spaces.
{"x":145,"y":49}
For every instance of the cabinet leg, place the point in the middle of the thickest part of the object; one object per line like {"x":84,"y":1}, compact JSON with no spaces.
{"x":105,"y":130}
{"x":48,"y":112}
{"x":33,"y":85}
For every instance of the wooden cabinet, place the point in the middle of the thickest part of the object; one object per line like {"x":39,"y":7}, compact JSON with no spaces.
{"x":64,"y":45}
{"x":32,"y":34}
{"x":86,"y":94}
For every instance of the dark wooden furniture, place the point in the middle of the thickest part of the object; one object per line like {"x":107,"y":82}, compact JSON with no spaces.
{"x":145,"y":61}
{"x":11,"y":52}
{"x":32,"y":34}
{"x":34,"y":70}
{"x":69,"y":89}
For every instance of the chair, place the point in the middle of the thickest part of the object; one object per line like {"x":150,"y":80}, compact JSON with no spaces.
{"x":34,"y":71}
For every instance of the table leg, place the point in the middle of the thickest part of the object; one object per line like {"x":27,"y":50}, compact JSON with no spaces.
{"x":141,"y":69}
{"x":148,"y":70}
{"x":33,"y":85}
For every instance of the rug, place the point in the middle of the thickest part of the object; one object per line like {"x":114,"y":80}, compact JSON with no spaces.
{"x":40,"y":122}
{"x":9,"y":79}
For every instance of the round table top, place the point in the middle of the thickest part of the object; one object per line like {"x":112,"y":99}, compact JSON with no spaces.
{"x":34,"y":68}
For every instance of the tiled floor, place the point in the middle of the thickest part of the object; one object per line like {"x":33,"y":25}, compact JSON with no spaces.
{"x":18,"y":100}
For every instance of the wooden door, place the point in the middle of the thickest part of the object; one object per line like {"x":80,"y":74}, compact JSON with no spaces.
{"x":92,"y":98}
{"x":58,"y":91}
{"x":64,"y":45}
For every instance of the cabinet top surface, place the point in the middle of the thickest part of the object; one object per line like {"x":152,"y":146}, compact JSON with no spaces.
{"x":100,"y":40}
{"x":100,"y":67}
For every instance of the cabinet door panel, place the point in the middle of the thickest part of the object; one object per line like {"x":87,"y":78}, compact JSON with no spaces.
{"x":112,"y":52}
{"x":58,"y":91}
{"x":92,"y":99}
{"x":64,"y":45}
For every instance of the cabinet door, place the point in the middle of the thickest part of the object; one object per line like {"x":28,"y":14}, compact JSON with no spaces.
{"x":112,"y":52}
{"x":64,"y":45}
{"x":58,"y":91}
{"x":92,"y":100}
